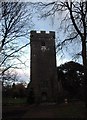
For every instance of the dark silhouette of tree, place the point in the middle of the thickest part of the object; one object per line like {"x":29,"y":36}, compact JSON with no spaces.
{"x":30,"y":96}
{"x":72,"y":79}
{"x":15,"y":91}
{"x":9,"y":77}
{"x":15,"y":22}
{"x":19,"y":90}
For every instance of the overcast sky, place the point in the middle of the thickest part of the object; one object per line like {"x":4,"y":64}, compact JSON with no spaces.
{"x":44,"y":25}
{"x":54,"y":0}
{"x":49,"y":24}
{"x":40,"y":25}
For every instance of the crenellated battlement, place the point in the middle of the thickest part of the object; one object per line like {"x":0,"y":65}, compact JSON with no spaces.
{"x":42,"y":33}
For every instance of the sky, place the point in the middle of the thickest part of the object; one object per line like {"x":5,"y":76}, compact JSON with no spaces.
{"x":43,"y":25}
{"x":38,"y":0}
{"x":27,"y":0}
{"x":40,"y":25}
{"x":49,"y":24}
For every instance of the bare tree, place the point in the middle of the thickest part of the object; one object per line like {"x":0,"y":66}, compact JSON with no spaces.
{"x":9,"y":77}
{"x":73,"y":22}
{"x":15,"y":22}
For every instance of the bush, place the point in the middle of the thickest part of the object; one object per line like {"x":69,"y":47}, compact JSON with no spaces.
{"x":30,"y":98}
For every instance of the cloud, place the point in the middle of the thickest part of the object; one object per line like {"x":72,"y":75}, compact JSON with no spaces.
{"x":23,"y":75}
{"x":42,"y":0}
{"x":21,"y":0}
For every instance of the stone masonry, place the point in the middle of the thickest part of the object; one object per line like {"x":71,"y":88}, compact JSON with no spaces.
{"x":43,"y":72}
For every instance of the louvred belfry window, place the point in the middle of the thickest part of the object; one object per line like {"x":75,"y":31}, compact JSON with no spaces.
{"x":43,"y":46}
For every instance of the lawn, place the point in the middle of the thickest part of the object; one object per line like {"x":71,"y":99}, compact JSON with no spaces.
{"x":70,"y":110}
{"x":13,"y":101}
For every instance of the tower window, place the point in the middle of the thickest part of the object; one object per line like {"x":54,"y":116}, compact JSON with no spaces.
{"x":43,"y":47}
{"x":42,"y":43}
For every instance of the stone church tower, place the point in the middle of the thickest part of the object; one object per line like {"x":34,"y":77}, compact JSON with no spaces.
{"x":43,"y":66}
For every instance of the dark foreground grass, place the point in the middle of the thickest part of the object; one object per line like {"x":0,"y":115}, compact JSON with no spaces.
{"x":70,"y":110}
{"x":13,"y":101}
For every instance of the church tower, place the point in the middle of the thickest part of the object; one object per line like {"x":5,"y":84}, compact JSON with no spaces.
{"x":43,"y":66}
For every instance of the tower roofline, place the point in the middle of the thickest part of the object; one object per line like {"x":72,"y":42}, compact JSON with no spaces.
{"x":50,"y":33}
{"x":44,"y":32}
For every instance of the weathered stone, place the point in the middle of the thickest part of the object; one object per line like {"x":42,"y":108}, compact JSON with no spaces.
{"x":43,"y":66}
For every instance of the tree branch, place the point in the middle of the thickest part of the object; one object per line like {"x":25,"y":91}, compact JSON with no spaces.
{"x":72,"y":18}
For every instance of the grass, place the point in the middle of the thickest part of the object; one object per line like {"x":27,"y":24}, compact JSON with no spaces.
{"x":57,"y":111}
{"x":14,"y":101}
{"x":70,"y":110}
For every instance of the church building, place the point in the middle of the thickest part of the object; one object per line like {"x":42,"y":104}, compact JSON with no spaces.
{"x":43,"y":70}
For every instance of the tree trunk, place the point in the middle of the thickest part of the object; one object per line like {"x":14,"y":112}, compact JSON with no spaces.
{"x":85,"y":68}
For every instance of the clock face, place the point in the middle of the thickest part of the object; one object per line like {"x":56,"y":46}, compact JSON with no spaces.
{"x":43,"y":48}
